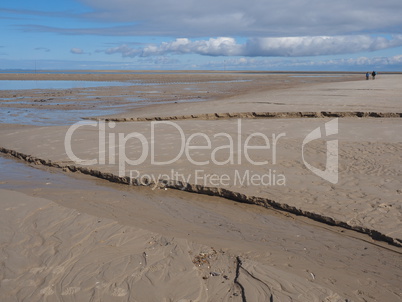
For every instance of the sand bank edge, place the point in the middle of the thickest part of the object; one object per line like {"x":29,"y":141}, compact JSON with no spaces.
{"x":212,"y":191}
{"x":254,"y":115}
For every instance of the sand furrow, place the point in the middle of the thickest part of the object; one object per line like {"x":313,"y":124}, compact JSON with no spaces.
{"x":253,"y":115}
{"x":212,"y":191}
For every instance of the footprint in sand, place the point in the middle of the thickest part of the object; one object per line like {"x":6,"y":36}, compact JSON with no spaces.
{"x":156,"y":267}
{"x":47,"y":291}
{"x":119,"y":292}
{"x":384,"y":208}
{"x":70,"y":291}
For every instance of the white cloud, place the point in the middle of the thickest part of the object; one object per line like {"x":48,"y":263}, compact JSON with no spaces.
{"x":213,"y":47}
{"x":318,"y":45}
{"x":77,"y":51}
{"x":286,"y":46}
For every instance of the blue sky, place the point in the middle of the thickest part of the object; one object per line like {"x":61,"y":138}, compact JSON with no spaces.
{"x":201,"y":35}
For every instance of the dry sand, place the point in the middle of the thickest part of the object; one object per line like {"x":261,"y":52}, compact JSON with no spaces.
{"x":349,"y":95}
{"x":120,"y":243}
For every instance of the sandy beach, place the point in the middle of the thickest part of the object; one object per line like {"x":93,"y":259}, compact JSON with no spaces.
{"x":202,"y":187}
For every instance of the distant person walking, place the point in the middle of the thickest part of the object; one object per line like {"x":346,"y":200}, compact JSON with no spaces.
{"x":367,"y":75}
{"x":373,"y":74}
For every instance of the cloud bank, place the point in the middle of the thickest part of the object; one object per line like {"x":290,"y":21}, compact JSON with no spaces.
{"x":211,"y":18}
{"x":266,"y":47}
{"x":252,"y":18}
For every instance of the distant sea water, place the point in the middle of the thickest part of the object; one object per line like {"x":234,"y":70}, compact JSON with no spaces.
{"x":52,"y":117}
{"x":49,"y":117}
{"x":32,"y":71}
{"x":49,"y":84}
{"x":43,"y":117}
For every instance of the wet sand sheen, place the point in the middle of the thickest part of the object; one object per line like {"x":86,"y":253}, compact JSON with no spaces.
{"x":36,"y":107}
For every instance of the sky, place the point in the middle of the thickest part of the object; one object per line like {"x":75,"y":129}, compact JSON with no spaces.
{"x":299,"y":35}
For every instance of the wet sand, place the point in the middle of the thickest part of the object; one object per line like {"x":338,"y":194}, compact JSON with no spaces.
{"x":146,"y":246}
{"x":139,"y":244}
{"x":70,"y":105}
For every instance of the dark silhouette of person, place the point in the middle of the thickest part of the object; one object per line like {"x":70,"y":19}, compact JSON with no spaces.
{"x":373,"y":74}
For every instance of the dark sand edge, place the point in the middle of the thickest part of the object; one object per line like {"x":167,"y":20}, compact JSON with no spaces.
{"x":253,"y":115}
{"x":212,"y":191}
